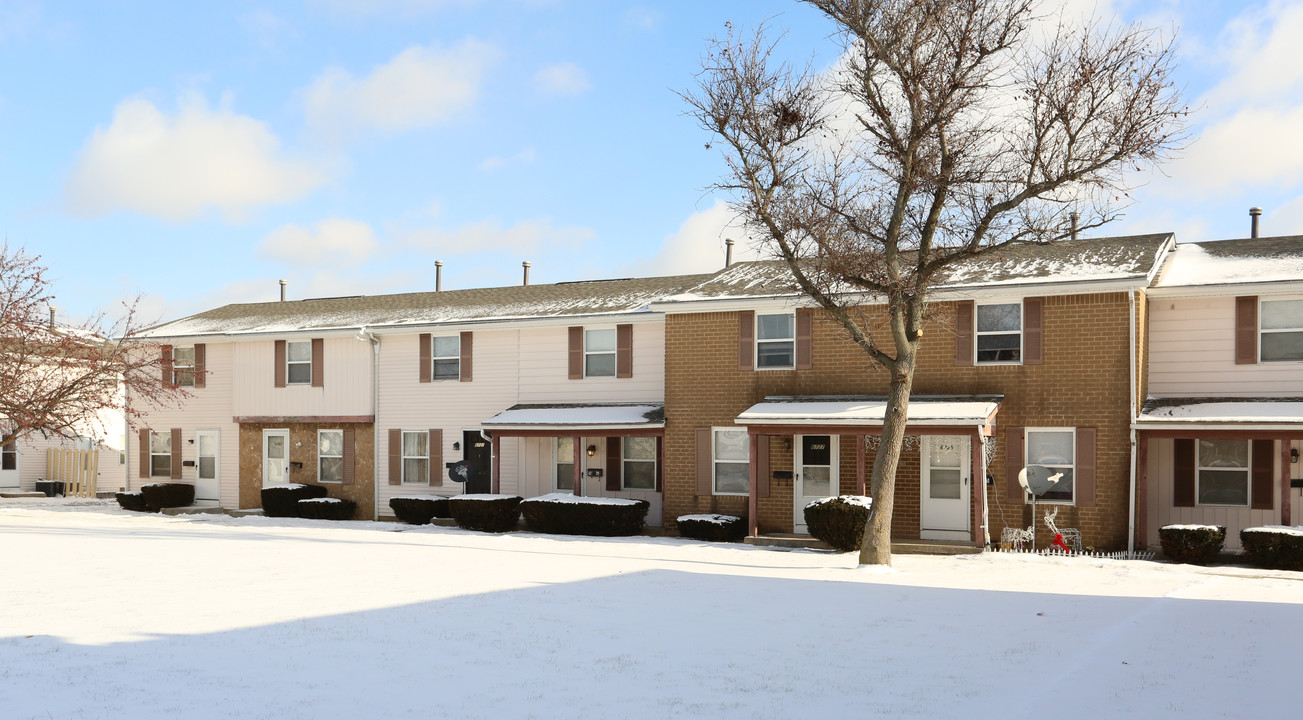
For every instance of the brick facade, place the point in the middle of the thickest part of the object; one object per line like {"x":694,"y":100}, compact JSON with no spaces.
{"x":303,"y":450}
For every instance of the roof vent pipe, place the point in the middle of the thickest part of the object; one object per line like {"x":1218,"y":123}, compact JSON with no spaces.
{"x":53,"y":312}
{"x":525,"y":265}
{"x":728,"y":252}
{"x":1254,"y":214}
{"x":1073,"y":217}
{"x":283,"y":284}
{"x":438,"y":275}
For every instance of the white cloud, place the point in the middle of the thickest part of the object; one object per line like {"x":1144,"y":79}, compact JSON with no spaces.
{"x":562,"y":79}
{"x":267,"y":28}
{"x":419,"y":87}
{"x":698,"y":245}
{"x":525,"y":236}
{"x":524,"y":157}
{"x":334,"y":240}
{"x":175,"y":167}
{"x":642,"y":18}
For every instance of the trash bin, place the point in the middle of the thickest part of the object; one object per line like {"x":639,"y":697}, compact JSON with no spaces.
{"x":51,"y":488}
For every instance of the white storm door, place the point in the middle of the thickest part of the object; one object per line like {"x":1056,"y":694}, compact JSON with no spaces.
{"x":275,"y":457}
{"x":207,"y":485}
{"x":9,"y":466}
{"x":815,"y":473}
{"x":946,"y":484}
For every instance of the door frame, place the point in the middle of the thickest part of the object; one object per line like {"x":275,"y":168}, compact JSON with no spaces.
{"x":262,"y":453}
{"x":965,"y":490}
{"x":465,"y":450}
{"x":17,"y":473}
{"x":217,"y":462}
{"x":799,"y":499}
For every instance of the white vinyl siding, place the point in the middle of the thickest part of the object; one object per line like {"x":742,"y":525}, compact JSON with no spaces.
{"x":1192,"y":353}
{"x":1160,"y":509}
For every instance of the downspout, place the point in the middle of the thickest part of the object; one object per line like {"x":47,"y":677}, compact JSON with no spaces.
{"x":986,"y":500}
{"x":1131,"y":413}
{"x":367,"y":336}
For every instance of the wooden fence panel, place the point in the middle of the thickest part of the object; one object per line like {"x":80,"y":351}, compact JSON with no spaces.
{"x":77,"y":469}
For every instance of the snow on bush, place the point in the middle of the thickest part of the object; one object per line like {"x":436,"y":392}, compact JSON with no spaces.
{"x":132,"y":500}
{"x":712,"y":527}
{"x":167,"y":495}
{"x":863,"y":501}
{"x":282,"y":500}
{"x":565,"y":514}
{"x":1198,"y":544}
{"x":419,"y":509}
{"x":485,"y":512}
{"x":325,"y":508}
{"x":839,"y":521}
{"x":1274,"y":546}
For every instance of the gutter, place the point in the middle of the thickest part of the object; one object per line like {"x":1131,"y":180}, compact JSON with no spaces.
{"x":1131,"y":413}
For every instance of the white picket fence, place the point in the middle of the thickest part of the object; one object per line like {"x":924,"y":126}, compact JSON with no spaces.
{"x":77,"y":469}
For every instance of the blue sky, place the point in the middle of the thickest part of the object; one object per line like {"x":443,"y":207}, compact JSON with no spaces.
{"x":196,"y":153}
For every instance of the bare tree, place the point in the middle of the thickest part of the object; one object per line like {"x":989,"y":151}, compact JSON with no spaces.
{"x":59,"y":379}
{"x":947,"y":129}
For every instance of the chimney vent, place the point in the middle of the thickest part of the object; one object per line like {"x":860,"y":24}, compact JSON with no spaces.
{"x":438,"y":276}
{"x":53,"y":312}
{"x":1074,"y":217}
{"x":728,"y":252}
{"x":525,"y":265}
{"x":1254,"y":214}
{"x":283,"y":284}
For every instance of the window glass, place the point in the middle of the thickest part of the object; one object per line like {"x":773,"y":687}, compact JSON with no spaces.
{"x":776,"y":341}
{"x":732,"y":448}
{"x":160,"y":454}
{"x":599,"y":353}
{"x":330,"y":455}
{"x":564,"y":456}
{"x":416,"y":457}
{"x":207,"y":456}
{"x":1053,"y":450}
{"x":298,"y":362}
{"x":1223,"y":472}
{"x":183,"y":366}
{"x":640,"y":463}
{"x":1282,"y":314}
{"x":9,"y":457}
{"x":1282,"y":330}
{"x":446,"y":352}
{"x":999,"y":332}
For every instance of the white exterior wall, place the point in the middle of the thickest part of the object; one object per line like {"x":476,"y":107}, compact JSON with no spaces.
{"x":109,"y":436}
{"x":545,"y":368}
{"x":1160,"y":510}
{"x":1192,"y":353}
{"x":346,"y":381}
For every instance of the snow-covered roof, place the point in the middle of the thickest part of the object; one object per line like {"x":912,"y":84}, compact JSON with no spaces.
{"x":1222,"y":411}
{"x":870,"y":410}
{"x":1230,"y":262}
{"x":579,"y":416}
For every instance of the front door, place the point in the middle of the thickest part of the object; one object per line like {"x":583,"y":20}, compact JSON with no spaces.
{"x":815,"y":475}
{"x":275,"y":457}
{"x":9,"y":465}
{"x":946,"y":473}
{"x":478,"y":454}
{"x":207,"y":486}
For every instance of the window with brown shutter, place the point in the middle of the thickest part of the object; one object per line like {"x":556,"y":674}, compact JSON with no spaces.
{"x":144,"y":452}
{"x":176,"y":453}
{"x":746,"y":340}
{"x":279,"y":361}
{"x":318,"y":362}
{"x":1084,"y":473}
{"x":1033,"y":330}
{"x":624,"y":351}
{"x":436,"y":457}
{"x":1013,"y":463}
{"x":423,"y":372}
{"x":350,"y":456}
{"x":576,"y":352}
{"x":467,"y":345}
{"x":804,"y":338}
{"x":964,"y":332}
{"x":1246,"y":330}
{"x":201,"y":365}
{"x":395,"y":456}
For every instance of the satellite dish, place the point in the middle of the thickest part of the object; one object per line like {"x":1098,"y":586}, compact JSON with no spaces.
{"x":459,"y":471}
{"x":1038,"y":480}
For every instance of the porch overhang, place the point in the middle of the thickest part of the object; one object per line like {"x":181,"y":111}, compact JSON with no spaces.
{"x":578,"y":419}
{"x":864,"y":415}
{"x":1192,"y":417}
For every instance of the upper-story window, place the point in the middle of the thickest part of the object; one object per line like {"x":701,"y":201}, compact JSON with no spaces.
{"x":1281,"y":331}
{"x":446,"y":354}
{"x":999,"y":333}
{"x":1054,"y":450}
{"x":298,"y":362}
{"x":599,"y":353}
{"x":776,"y":341}
{"x":160,"y":454}
{"x":1223,"y":472}
{"x":183,"y":366}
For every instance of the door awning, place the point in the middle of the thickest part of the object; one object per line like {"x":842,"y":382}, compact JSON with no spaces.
{"x":850,"y":412}
{"x":563,"y":419}
{"x":1222,"y":413}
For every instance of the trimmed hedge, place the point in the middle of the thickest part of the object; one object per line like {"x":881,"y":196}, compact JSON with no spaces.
{"x":420,"y":509}
{"x":167,"y":495}
{"x":839,"y":521}
{"x":282,"y":500}
{"x":326,"y":508}
{"x":133,"y":501}
{"x":596,"y":516}
{"x":1279,"y":548}
{"x":486,"y":513}
{"x":1197,"y":544}
{"x":713,"y":527}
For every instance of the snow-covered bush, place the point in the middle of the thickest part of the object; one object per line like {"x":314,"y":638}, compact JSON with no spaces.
{"x":1197,"y":544}
{"x":325,"y":508}
{"x":132,"y":500}
{"x":839,"y":521}
{"x":167,"y":495}
{"x":282,"y":500}
{"x":485,"y":512}
{"x":419,"y":509}
{"x":712,"y":527}
{"x":565,"y":514}
{"x":1274,"y":546}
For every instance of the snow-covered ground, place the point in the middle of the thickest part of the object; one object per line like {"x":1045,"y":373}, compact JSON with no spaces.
{"x":106,"y":614}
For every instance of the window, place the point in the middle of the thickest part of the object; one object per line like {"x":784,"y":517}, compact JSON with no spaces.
{"x":9,"y":457}
{"x":999,"y":333}
{"x":298,"y":362}
{"x":183,"y":366}
{"x":1281,"y":332}
{"x":447,"y":357}
{"x":1223,"y":472}
{"x":416,"y":458}
{"x":639,"y":457}
{"x":330,"y":455}
{"x":599,"y":353}
{"x":776,"y":341}
{"x":160,"y":454}
{"x":563,"y":463}
{"x":1052,"y":449}
{"x":732,"y":459}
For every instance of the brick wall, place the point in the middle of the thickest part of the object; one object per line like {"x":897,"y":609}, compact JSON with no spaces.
{"x":303,"y":449}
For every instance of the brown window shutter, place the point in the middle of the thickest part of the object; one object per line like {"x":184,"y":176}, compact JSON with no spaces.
{"x":1033,"y":330}
{"x":280,"y":364}
{"x":624,"y":351}
{"x":436,"y":457}
{"x":614,"y":464}
{"x":1083,"y":478}
{"x":705,"y":463}
{"x":1246,"y":330}
{"x":1013,"y":462}
{"x":964,"y":335}
{"x":350,"y":456}
{"x":144,"y":452}
{"x":660,"y":464}
{"x":576,"y":351}
{"x":467,"y":352}
{"x":746,"y":340}
{"x":1183,"y":472}
{"x":1262,"y":495}
{"x":804,"y":338}
{"x":762,"y":466}
{"x":201,"y":365}
{"x":318,"y":362}
{"x":176,"y":453}
{"x":165,"y":365}
{"x":395,"y":456}
{"x":425,"y":358}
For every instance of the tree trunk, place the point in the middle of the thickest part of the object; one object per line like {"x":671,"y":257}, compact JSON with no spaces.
{"x":876,"y":548}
